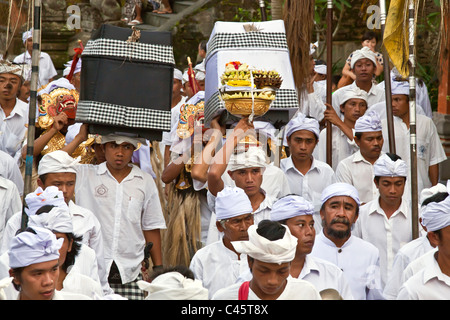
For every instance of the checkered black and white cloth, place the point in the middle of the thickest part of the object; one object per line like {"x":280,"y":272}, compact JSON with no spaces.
{"x":247,"y":40}
{"x":129,"y":50}
{"x":122,"y":116}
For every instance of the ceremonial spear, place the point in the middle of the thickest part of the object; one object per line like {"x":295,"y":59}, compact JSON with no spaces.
{"x":35,"y":54}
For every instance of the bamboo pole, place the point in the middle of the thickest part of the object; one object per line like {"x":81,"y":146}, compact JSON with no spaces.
{"x":262,"y":7}
{"x":412,"y":122}
{"x":35,"y":54}
{"x":387,"y":83}
{"x":329,"y":76}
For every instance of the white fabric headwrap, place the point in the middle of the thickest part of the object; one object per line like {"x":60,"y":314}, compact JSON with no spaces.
{"x":119,"y":139}
{"x":400,"y":87}
{"x":436,"y":215}
{"x":28,"y":248}
{"x":8,"y":67}
{"x":57,"y":220}
{"x":232,"y":202}
{"x":300,"y":122}
{"x":353,"y":93}
{"x":39,"y":198}
{"x":385,"y":167}
{"x":68,"y":66}
{"x":252,"y":158}
{"x":262,"y":249}
{"x":321,"y":69}
{"x":26,"y":35}
{"x":55,"y":84}
{"x":340,"y":189}
{"x":290,"y":206}
{"x":369,"y":122}
{"x":174,"y":286}
{"x":364,"y":52}
{"x":177,"y":74}
{"x":429,"y":192}
{"x":57,"y":161}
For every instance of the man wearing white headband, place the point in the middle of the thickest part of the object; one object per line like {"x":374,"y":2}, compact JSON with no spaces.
{"x":296,"y":213}
{"x":364,"y":66}
{"x":430,"y":151}
{"x":270,"y":250}
{"x":307,"y":176}
{"x":390,"y":208}
{"x":13,"y":111}
{"x":47,"y":71}
{"x":125,"y":200}
{"x":33,"y":259}
{"x":353,"y":106}
{"x":430,"y":283}
{"x":357,"y":169}
{"x":218,"y":264}
{"x":336,"y":244}
{"x":76,"y":77}
{"x":414,"y":254}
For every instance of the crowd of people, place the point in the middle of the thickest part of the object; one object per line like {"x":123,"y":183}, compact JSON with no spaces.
{"x":218,"y":217}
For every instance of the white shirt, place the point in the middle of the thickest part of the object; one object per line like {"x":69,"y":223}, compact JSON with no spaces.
{"x":341,"y":146}
{"x":358,"y":259}
{"x":429,"y":146}
{"x":375,"y":94}
{"x":10,"y":170}
{"x":310,"y":185}
{"x":174,"y":119}
{"x":358,"y":172}
{"x":388,"y":235}
{"x":9,"y":203}
{"x":409,"y":252}
{"x":312,"y":104}
{"x":217,"y":266}
{"x":295,"y":289}
{"x":13,"y":129}
{"x":430,"y":283}
{"x":47,"y":70}
{"x":124,"y":210}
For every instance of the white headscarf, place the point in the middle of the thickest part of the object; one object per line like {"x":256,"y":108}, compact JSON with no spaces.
{"x":177,"y":74}
{"x":26,"y":35}
{"x":321,"y":69}
{"x":232,"y":202}
{"x":385,"y":167}
{"x":57,"y":161}
{"x":436,"y":215}
{"x":56,"y":220}
{"x":252,"y":158}
{"x":301,"y":122}
{"x":174,"y":286}
{"x":364,"y":52}
{"x":28,"y":248}
{"x":68,"y":66}
{"x":119,"y":139}
{"x":353,"y":93}
{"x":290,"y":206}
{"x":55,"y":84}
{"x":429,"y":192}
{"x":8,"y":67}
{"x":400,"y":87}
{"x":340,"y":189}
{"x":369,"y":122}
{"x":39,"y":198}
{"x":262,"y":249}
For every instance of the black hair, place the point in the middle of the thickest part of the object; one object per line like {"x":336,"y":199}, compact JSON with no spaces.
{"x":369,"y":35}
{"x":271,"y":230}
{"x":184,"y":270}
{"x":438,"y":197}
{"x":203,"y":44}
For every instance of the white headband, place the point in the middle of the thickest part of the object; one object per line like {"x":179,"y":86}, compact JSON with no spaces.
{"x":369,"y":122}
{"x":300,"y":122}
{"x":119,"y":139}
{"x":364,"y":52}
{"x":353,"y":93}
{"x":56,"y":220}
{"x":399,"y":87}
{"x":26,"y":35}
{"x":252,"y":158}
{"x":385,"y":167}
{"x":39,"y":198}
{"x":290,"y":206}
{"x":340,"y":189}
{"x":28,"y":248}
{"x":436,"y":215}
{"x":57,"y":161}
{"x":262,"y":249}
{"x":232,"y":202}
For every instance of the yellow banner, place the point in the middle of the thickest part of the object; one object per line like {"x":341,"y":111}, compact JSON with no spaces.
{"x":395,"y":37}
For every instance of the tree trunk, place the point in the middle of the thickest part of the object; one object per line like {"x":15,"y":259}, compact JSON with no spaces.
{"x":276,"y":9}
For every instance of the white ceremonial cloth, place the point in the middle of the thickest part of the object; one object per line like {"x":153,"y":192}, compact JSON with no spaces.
{"x":405,"y":255}
{"x":388,"y":235}
{"x":430,"y":283}
{"x":375,"y":95}
{"x":217,"y":266}
{"x":13,"y":130}
{"x":127,"y":208}
{"x":295,"y":289}
{"x":10,"y":170}
{"x":429,"y":147}
{"x":362,"y":273}
{"x":9,"y":203}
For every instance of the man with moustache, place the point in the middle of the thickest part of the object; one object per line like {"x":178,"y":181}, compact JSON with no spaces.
{"x":218,"y":264}
{"x":357,"y":169}
{"x":357,"y":258}
{"x":13,"y":111}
